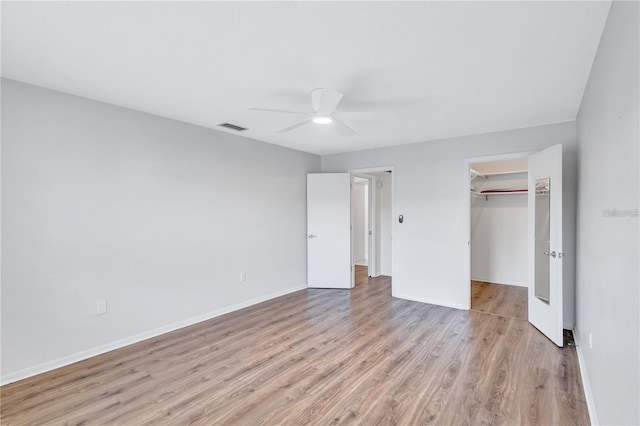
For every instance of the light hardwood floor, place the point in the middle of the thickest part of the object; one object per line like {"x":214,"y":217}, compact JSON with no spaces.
{"x":319,"y":357}
{"x":361,"y":275}
{"x":500,"y":299}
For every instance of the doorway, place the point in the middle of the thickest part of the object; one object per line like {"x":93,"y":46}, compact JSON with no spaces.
{"x":372,"y":223}
{"x":330,"y":259}
{"x":545,"y":255}
{"x":499,"y":237}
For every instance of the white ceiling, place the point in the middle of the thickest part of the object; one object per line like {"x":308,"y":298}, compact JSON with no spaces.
{"x":445,"y":68}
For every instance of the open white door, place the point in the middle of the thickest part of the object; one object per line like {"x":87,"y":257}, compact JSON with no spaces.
{"x":545,"y":242}
{"x":329,"y":230}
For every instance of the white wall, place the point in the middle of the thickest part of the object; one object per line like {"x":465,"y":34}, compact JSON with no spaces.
{"x":358,"y":222}
{"x":607,"y":263}
{"x":155,"y":216}
{"x":499,"y":235}
{"x":432,"y":190}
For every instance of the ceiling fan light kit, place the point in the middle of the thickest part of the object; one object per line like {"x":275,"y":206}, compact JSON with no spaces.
{"x":323,"y":111}
{"x":322,"y":119}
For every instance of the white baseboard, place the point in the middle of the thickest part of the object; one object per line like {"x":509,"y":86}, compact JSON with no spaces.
{"x":591,"y":406}
{"x":378,"y":274}
{"x":429,"y":301}
{"x":361,"y":262}
{"x":505,"y":282}
{"x":82,"y":355}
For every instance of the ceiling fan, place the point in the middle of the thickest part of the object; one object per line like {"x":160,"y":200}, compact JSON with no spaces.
{"x":323,"y":111}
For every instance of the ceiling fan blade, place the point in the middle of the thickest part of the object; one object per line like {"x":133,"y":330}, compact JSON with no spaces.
{"x":324,"y":101}
{"x":365,"y":115}
{"x":278,"y":111}
{"x":342,"y":128}
{"x":295,"y":126}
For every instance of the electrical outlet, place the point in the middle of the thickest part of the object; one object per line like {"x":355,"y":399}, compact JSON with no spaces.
{"x":590,"y":341}
{"x":102,"y":307}
{"x":243,"y":276}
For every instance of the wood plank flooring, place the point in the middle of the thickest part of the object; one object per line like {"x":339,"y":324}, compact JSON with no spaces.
{"x":319,"y":357}
{"x":361,"y":275}
{"x":505,"y":300}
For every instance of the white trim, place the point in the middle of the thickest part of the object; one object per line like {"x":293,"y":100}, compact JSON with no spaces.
{"x":82,"y":355}
{"x":369,"y":170}
{"x":373,"y":266}
{"x":429,"y":301}
{"x":588,"y":394}
{"x":504,"y":282}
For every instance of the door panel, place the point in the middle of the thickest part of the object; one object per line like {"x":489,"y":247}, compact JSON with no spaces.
{"x":328,"y":230}
{"x":545,"y":242}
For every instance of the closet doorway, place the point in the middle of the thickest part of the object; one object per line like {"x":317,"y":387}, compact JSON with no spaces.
{"x":499,"y":237}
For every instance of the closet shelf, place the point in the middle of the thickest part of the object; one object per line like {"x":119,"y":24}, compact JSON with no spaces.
{"x":485,"y":194}
{"x":475,"y":174}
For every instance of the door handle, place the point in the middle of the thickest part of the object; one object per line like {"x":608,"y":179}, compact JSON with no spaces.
{"x":311,"y":236}
{"x":552,"y":254}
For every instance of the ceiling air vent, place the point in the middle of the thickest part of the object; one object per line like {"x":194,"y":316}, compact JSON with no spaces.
{"x":233,"y":127}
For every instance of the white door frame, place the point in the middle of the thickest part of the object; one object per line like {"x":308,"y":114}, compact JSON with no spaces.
{"x":467,"y":200}
{"x":371,"y":180}
{"x":373,"y":219}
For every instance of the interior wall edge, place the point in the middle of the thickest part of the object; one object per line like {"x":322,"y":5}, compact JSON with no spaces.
{"x":108,"y":347}
{"x":153,"y":216}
